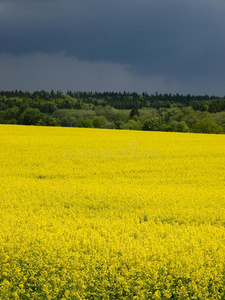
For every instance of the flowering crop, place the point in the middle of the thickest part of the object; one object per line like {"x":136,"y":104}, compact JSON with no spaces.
{"x":106,"y":214}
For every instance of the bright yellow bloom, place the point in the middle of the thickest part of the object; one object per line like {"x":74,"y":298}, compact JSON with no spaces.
{"x":107,"y":214}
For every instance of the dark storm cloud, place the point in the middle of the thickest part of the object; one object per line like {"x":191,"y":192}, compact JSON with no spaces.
{"x":180,"y":40}
{"x":40,"y":71}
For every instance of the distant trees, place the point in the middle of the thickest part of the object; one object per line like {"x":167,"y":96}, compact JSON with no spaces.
{"x":30,"y":116}
{"x":49,"y":121}
{"x":68,"y":121}
{"x":134,"y":112}
{"x":158,"y":112}
{"x":99,"y":122}
{"x":175,"y":126}
{"x":120,"y":124}
{"x":85,"y":123}
{"x":156,"y":124}
{"x":126,"y":100}
{"x":11,"y":113}
{"x":207,"y":126}
{"x":153,"y":124}
{"x":134,"y":124}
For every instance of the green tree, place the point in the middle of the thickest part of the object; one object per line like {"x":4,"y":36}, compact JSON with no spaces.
{"x":87,"y":123}
{"x":30,"y":116}
{"x":109,"y":125}
{"x":49,"y":121}
{"x":175,"y":126}
{"x":120,"y":125}
{"x":153,"y":124}
{"x":99,"y":122}
{"x":134,"y":112}
{"x":23,"y":107}
{"x":134,"y":125}
{"x":207,"y":126}
{"x":68,"y":121}
{"x":2,"y":120}
{"x":11,"y":113}
{"x":12,"y":121}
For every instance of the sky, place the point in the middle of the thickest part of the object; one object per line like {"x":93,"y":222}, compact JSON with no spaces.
{"x":164,"y":46}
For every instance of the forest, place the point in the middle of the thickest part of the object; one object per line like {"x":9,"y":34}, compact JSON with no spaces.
{"x":114,"y":110}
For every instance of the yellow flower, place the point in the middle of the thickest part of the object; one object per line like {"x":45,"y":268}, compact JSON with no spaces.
{"x":107,"y":214}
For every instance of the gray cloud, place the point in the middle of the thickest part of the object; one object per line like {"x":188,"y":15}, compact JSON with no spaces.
{"x":182,"y":41}
{"x":59,"y":72}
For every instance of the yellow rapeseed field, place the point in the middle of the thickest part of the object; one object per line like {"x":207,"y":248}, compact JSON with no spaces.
{"x":107,"y":214}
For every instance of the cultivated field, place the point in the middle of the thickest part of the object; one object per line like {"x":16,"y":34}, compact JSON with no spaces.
{"x":106,"y":214}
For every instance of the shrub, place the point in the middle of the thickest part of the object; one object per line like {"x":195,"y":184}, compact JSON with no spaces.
{"x":85,"y":123}
{"x":99,"y":122}
{"x":30,"y":116}
{"x":207,"y":126}
{"x":49,"y":121}
{"x":153,"y":124}
{"x":175,"y":126}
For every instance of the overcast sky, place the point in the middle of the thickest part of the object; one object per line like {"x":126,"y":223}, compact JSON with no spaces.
{"x":165,"y":46}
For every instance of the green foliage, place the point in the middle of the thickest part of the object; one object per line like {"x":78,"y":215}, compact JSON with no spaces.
{"x":134,"y":125}
{"x":219,"y":118}
{"x":153,"y":124}
{"x":158,"y":112}
{"x":99,"y":110}
{"x":11,"y":113}
{"x":120,"y":125}
{"x":109,"y":125}
{"x":12,"y":121}
{"x":85,"y":123}
{"x":99,"y":122}
{"x":207,"y":126}
{"x":2,"y":120}
{"x":23,"y":107}
{"x":68,"y":121}
{"x":30,"y":116}
{"x":49,"y":121}
{"x":78,"y":114}
{"x":114,"y":115}
{"x":175,"y":126}
{"x":134,"y":112}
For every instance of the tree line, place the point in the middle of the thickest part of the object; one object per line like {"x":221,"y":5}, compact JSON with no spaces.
{"x":158,"y":112}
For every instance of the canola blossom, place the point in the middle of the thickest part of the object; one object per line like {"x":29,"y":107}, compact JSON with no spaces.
{"x":108,"y":214}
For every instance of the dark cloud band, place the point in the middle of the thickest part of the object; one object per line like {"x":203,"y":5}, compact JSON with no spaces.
{"x":174,"y":39}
